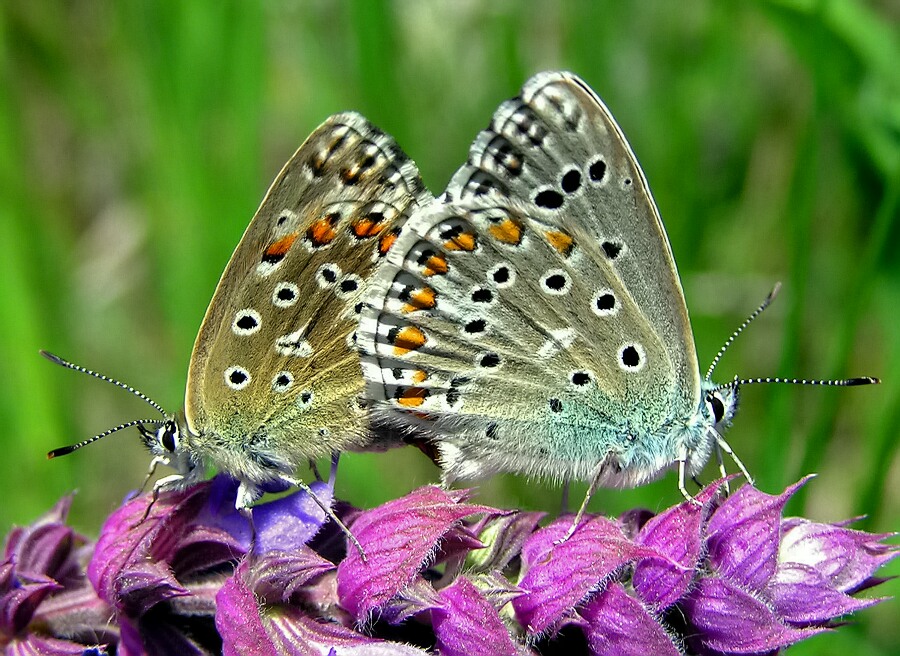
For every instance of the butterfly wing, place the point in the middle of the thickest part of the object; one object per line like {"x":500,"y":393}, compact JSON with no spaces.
{"x":534,"y":321}
{"x":274,"y":377}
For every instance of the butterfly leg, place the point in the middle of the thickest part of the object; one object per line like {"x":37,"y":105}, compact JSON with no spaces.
{"x":158,"y":460}
{"x":722,"y":472}
{"x":592,"y":488}
{"x":682,"y":467}
{"x":722,"y":444}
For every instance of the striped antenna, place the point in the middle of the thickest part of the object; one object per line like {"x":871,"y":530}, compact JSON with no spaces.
{"x":842,"y":382}
{"x":728,"y":342}
{"x":65,"y":450}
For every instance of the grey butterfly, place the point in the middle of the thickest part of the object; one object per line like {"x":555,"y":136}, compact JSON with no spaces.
{"x":533,"y":320}
{"x":274,"y":377}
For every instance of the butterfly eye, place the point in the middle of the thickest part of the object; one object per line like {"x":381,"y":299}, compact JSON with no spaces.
{"x":716,"y":407}
{"x":168,"y":436}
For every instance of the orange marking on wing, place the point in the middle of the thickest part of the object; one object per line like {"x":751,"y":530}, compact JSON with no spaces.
{"x":561,"y":241}
{"x":408,"y":338}
{"x":277,"y":250}
{"x":321,"y":232}
{"x":412,"y":397}
{"x":387,"y":240}
{"x":421,"y":299}
{"x":369,"y":225}
{"x":435,"y":265}
{"x":419,"y":376}
{"x":508,"y":231}
{"x":464,"y":241}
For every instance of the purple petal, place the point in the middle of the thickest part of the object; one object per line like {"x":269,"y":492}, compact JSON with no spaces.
{"x":398,"y":537}
{"x":744,"y":533}
{"x":467,"y":623}
{"x":247,"y":631}
{"x":415,"y":598}
{"x":844,"y":557}
{"x":676,"y":535}
{"x":291,"y":521}
{"x":802,"y":596}
{"x":78,"y":614}
{"x":238,"y":619}
{"x":619,"y":625}
{"x":144,"y":585}
{"x":37,"y":645}
{"x":728,"y":619}
{"x":277,"y":575}
{"x":17,"y":605}
{"x":127,"y":541}
{"x":559,"y":576}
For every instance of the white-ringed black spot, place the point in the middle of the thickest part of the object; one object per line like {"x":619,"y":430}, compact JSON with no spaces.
{"x":597,"y":170}
{"x":282,"y":381}
{"x":285,"y":294}
{"x":632,"y":357}
{"x":571,"y":181}
{"x":605,"y":303}
{"x":556,"y":281}
{"x":285,"y":216}
{"x":482,"y":295}
{"x":348,"y":285}
{"x":502,"y":275}
{"x":237,"y":378}
{"x":246,"y":322}
{"x":612,"y":249}
{"x":358,"y":308}
{"x":555,"y":405}
{"x":488,"y":360}
{"x":324,"y":432}
{"x":549,"y":199}
{"x":328,"y":274}
{"x":626,"y":182}
{"x":581,"y":378}
{"x":475,"y":327}
{"x":305,"y":399}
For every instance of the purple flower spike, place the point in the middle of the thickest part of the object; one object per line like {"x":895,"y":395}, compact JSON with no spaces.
{"x":560,"y":574}
{"x":467,"y":623}
{"x":619,"y":625}
{"x":398,"y":539}
{"x":721,"y":577}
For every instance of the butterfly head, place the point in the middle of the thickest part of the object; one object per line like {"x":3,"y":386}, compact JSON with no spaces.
{"x":720,"y":405}
{"x":166,"y":441}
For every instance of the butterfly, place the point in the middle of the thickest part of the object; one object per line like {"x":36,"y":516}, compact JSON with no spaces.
{"x":274,"y":377}
{"x":532,"y":320}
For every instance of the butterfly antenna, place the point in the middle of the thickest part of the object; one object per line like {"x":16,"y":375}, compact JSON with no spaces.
{"x":65,"y":450}
{"x":74,"y":367}
{"x":728,"y":342}
{"x":841,"y":382}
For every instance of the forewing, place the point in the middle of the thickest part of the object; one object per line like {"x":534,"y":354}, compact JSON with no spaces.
{"x":274,"y":361}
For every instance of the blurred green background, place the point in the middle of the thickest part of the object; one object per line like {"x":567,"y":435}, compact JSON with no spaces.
{"x":137,"y":139}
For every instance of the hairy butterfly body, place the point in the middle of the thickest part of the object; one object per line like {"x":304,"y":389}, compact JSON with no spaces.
{"x":274,"y":376}
{"x":533,"y":321}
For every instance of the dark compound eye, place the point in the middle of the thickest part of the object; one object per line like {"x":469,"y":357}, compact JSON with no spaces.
{"x":168,"y":438}
{"x":718,"y":408}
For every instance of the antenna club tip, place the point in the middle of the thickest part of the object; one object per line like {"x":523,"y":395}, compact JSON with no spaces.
{"x":775,"y":290}
{"x":863,"y":380}
{"x":50,"y":356}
